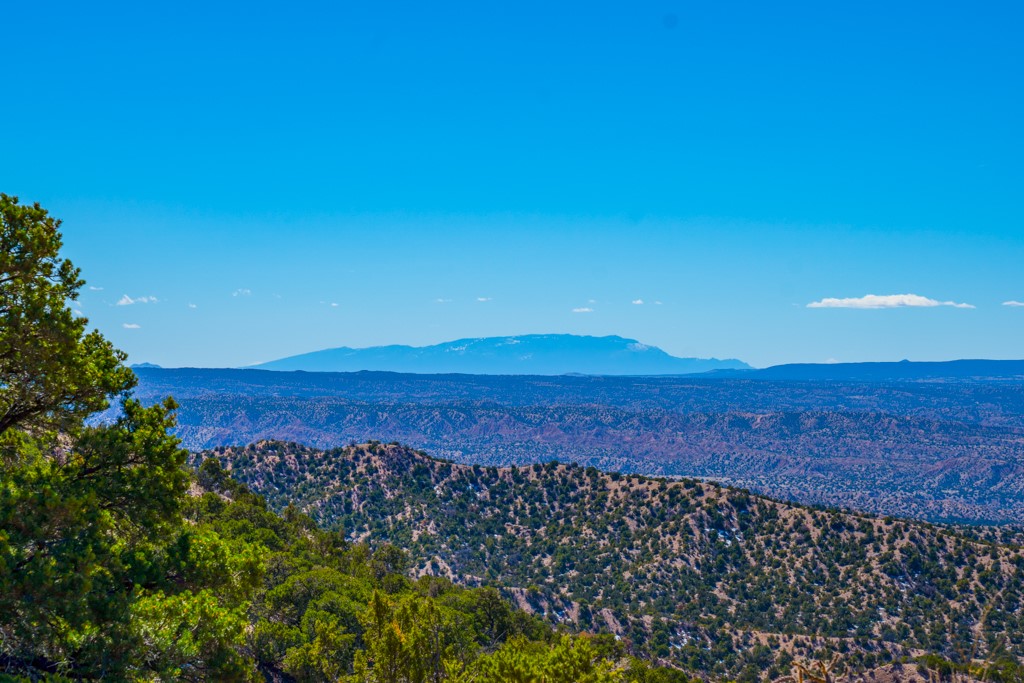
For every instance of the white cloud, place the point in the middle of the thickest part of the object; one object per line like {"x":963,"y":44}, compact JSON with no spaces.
{"x":192,"y":306}
{"x":885,"y":301}
{"x":657,"y":303}
{"x":638,"y":302}
{"x":442,"y":301}
{"x":128,"y":301}
{"x":334,"y":305}
{"x":96,"y":289}
{"x":482,"y":299}
{"x":242,"y":291}
{"x":583,"y":310}
{"x":131,"y":326}
{"x":1015,"y":304}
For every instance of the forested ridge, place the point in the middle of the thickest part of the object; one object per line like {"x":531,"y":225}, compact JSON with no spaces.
{"x":700,"y":576}
{"x":327,"y":609}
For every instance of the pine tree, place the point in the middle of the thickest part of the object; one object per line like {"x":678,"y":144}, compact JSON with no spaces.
{"x":99,"y":576}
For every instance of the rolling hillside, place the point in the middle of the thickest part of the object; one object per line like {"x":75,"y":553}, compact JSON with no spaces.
{"x":697,"y":575}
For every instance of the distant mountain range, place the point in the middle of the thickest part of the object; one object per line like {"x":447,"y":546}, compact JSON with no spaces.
{"x":531,"y":354}
{"x":568,"y":354}
{"x":884,"y":372}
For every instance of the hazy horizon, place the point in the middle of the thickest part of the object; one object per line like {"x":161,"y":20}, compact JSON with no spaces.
{"x":259,"y":363}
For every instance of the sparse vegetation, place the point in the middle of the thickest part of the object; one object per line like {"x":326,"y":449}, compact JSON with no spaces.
{"x":708,"y":578}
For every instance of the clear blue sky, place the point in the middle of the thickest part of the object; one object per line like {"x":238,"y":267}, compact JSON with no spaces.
{"x":287,"y":177}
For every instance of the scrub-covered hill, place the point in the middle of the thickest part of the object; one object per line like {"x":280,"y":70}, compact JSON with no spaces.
{"x":709,"y":578}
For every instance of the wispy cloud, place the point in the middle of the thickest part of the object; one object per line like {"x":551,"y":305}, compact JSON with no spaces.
{"x":1015,"y":304}
{"x":334,"y":305}
{"x":638,"y":302}
{"x":242,"y":291}
{"x":131,"y":326}
{"x":885,"y":301}
{"x":193,"y":306}
{"x":483,"y":299}
{"x":95,"y":289}
{"x":128,"y":301}
{"x":583,"y":309}
{"x":442,"y":301}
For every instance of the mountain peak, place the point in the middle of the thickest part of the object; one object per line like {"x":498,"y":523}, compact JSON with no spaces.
{"x":528,"y":354}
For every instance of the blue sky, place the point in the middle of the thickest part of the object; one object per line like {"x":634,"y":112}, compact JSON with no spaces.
{"x":265,"y":179}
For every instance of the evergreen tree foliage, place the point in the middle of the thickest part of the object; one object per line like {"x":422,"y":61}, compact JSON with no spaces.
{"x":99,"y":575}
